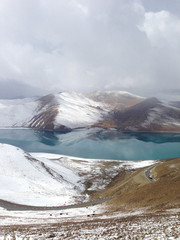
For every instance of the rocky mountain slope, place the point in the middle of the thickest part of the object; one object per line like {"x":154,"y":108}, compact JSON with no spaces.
{"x":111,"y":109}
{"x":148,"y":115}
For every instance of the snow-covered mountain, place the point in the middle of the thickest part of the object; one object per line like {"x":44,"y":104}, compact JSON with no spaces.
{"x":61,"y":111}
{"x":65,"y":111}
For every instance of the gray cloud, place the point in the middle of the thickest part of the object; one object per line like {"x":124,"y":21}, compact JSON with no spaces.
{"x":168,"y":5}
{"x":10,"y":89}
{"x":84,"y":45}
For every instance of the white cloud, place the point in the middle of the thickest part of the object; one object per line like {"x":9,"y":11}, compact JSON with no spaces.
{"x":138,"y":7}
{"x":161,"y":27}
{"x":83,"y":8}
{"x":162,"y":30}
{"x":84,"y":45}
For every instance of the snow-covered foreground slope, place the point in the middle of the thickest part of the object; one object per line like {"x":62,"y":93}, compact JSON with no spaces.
{"x":42,"y":179}
{"x":25,"y":180}
{"x":81,"y":224}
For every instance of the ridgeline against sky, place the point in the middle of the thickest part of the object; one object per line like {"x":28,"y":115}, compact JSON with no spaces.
{"x":86,"y":45}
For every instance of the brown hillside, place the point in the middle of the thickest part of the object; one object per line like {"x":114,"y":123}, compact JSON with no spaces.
{"x":131,"y":189}
{"x":116,"y":100}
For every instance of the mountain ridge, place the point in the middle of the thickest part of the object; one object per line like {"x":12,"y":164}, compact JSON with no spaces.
{"x":66,"y":111}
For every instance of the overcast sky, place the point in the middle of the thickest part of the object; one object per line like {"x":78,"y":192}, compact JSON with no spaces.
{"x":86,"y":45}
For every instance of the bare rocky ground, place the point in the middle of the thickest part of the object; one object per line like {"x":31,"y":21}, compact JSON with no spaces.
{"x":164,"y":225}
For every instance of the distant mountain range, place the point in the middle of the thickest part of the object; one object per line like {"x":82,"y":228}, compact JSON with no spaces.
{"x":111,"y":109}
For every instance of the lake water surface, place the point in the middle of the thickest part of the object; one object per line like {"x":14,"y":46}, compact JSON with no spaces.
{"x":96,"y":143}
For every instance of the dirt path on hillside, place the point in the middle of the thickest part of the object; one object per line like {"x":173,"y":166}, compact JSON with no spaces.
{"x":20,"y":207}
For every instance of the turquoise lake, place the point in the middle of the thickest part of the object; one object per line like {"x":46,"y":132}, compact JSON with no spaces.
{"x":96,"y":143}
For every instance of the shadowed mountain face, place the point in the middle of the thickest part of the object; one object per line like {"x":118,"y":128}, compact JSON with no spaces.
{"x":149,"y":115}
{"x":47,"y":111}
{"x":136,"y":115}
{"x":175,"y":104}
{"x":66,"y":111}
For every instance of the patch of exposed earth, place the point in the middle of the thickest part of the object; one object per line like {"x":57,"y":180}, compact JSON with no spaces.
{"x":116,"y":226}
